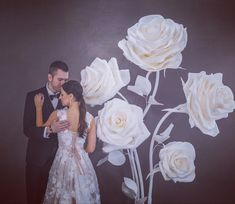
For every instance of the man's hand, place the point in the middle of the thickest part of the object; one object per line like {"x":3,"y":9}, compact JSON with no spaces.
{"x":58,"y":126}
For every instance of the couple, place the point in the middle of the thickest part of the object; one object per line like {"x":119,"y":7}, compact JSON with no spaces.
{"x":60,"y":135}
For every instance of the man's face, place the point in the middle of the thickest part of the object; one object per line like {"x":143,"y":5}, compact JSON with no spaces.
{"x":56,"y":81}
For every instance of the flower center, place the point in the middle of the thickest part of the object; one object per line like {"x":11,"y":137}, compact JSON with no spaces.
{"x":120,"y":120}
{"x":181,"y":164}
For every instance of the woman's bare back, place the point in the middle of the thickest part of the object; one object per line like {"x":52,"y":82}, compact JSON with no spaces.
{"x":73,"y":118}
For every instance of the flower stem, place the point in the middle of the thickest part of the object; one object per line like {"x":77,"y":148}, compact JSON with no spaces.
{"x":151,"y":152}
{"x":132,"y":168}
{"x":139,"y":173}
{"x":154,"y":91}
{"x":123,"y":97}
{"x":134,"y":171}
{"x":136,"y":175}
{"x":135,"y":167}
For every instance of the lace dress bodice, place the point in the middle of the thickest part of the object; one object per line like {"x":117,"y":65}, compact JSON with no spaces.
{"x":68,"y":139}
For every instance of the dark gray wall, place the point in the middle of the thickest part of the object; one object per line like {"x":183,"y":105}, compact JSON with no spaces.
{"x":34,"y":33}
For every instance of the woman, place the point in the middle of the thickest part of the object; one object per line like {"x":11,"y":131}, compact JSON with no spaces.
{"x":72,"y":178}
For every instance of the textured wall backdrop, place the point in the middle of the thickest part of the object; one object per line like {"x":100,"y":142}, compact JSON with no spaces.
{"x":34,"y":33}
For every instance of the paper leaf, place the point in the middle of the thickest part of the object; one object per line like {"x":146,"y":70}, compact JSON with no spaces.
{"x":129,"y":188}
{"x":130,"y":184}
{"x":135,"y":90}
{"x":125,"y":75}
{"x":154,"y":171}
{"x":141,"y":201}
{"x":101,"y":161}
{"x":164,"y":135}
{"x":128,"y":192}
{"x":182,"y":81}
{"x":152,"y":101}
{"x":167,"y":130}
{"x":183,"y":109}
{"x":142,"y":86}
{"x":116,"y":158}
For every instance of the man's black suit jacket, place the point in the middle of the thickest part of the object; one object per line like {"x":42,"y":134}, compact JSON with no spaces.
{"x":40,"y":150}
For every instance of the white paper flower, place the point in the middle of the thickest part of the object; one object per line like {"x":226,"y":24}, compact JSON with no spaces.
{"x":208,"y":100}
{"x":102,"y":80}
{"x":177,"y":161}
{"x":120,"y":125}
{"x":155,"y":43}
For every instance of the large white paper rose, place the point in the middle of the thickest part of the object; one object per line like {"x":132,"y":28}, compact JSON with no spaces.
{"x":177,"y":161}
{"x":208,"y":100}
{"x":102,"y":80}
{"x":120,"y":125}
{"x":155,"y":43}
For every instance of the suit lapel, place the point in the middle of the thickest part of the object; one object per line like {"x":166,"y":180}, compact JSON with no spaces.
{"x":47,"y":101}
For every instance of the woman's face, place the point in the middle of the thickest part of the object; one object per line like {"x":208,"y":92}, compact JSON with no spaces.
{"x":64,"y":97}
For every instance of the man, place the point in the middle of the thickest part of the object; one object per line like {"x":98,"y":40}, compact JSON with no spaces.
{"x":42,"y":141}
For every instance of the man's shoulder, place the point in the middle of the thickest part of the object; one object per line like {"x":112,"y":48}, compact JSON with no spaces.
{"x":36,"y":91}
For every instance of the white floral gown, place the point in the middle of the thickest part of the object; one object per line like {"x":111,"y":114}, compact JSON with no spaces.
{"x":72,"y":179}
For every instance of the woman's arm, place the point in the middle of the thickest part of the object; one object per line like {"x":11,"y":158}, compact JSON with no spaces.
{"x":39,"y":121}
{"x":91,"y":137}
{"x":29,"y":119}
{"x":51,"y":119}
{"x":38,"y":101}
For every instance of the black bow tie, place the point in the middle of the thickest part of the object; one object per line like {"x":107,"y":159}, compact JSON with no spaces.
{"x":54,"y":96}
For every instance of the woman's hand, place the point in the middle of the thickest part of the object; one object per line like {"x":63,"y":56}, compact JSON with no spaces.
{"x":39,"y":100}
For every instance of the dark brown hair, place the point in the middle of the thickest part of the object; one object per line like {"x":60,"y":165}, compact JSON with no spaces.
{"x":75,"y":88}
{"x":58,"y":65}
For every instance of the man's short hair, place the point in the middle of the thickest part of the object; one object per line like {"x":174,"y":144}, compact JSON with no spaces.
{"x":58,"y":65}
